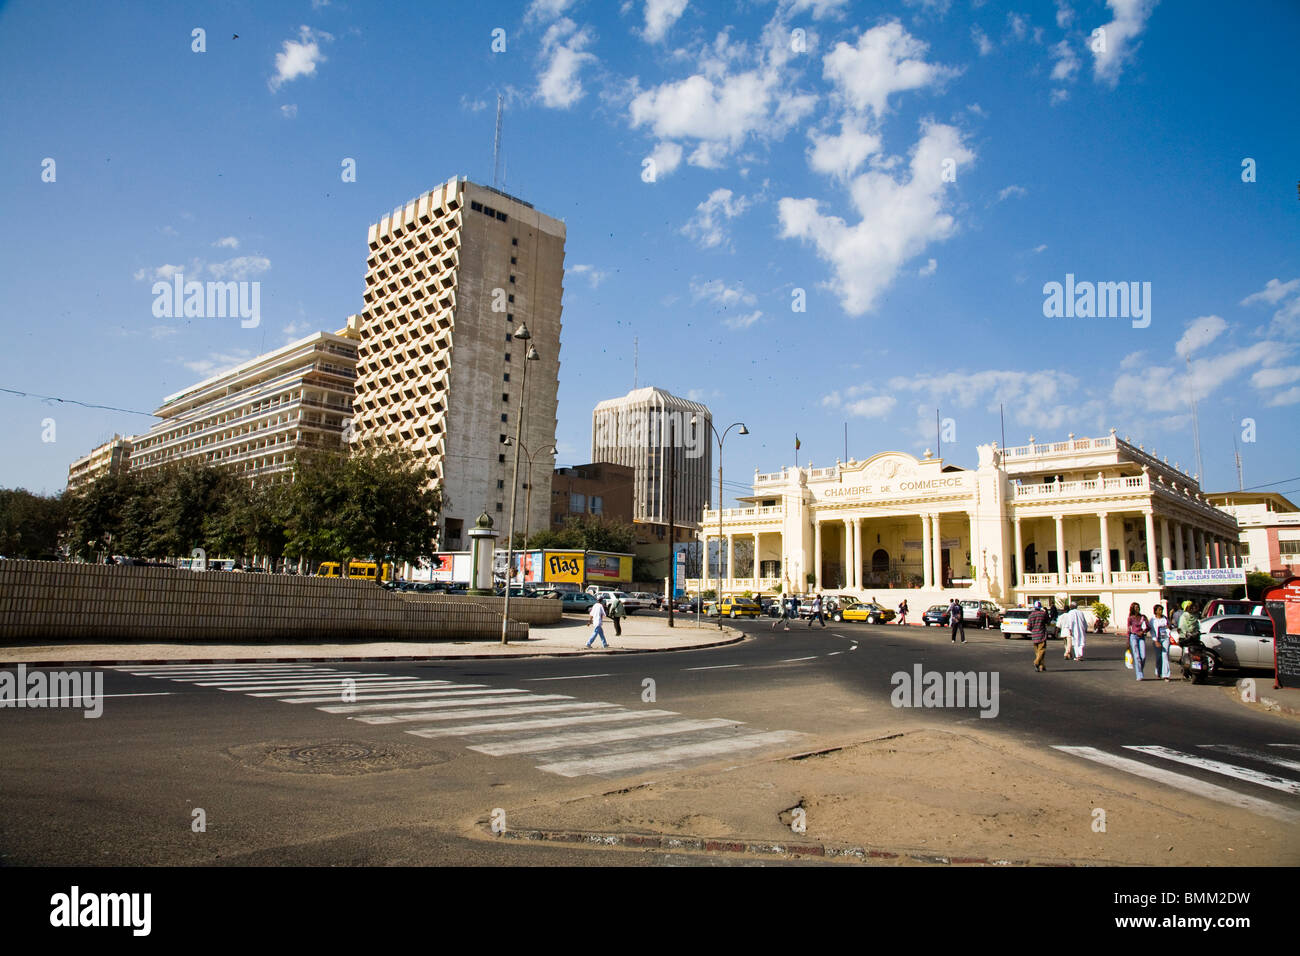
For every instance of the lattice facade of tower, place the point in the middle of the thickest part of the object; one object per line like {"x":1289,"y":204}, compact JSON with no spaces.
{"x":449,"y":278}
{"x":638,"y":430}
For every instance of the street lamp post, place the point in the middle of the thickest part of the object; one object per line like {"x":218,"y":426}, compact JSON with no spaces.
{"x":523,"y":335}
{"x":528,"y":495}
{"x":721,"y":438}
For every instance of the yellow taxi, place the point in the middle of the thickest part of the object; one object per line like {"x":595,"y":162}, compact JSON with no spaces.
{"x":851,"y":609}
{"x":739,"y":607}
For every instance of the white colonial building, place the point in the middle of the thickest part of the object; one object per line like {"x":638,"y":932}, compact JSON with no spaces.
{"x":1084,"y":519}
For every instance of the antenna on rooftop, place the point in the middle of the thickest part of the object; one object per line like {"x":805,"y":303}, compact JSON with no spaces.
{"x":496,"y":145}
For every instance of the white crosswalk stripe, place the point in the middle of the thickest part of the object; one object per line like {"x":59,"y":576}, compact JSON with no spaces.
{"x":574,"y":737}
{"x":1195,"y":785}
{"x":1265,"y":756}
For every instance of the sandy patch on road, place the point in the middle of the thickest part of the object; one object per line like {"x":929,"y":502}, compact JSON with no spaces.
{"x":937,"y":792}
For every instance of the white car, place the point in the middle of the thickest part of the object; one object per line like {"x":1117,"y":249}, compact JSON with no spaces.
{"x":630,"y":603}
{"x":1242,"y":641}
{"x":1015,"y":623}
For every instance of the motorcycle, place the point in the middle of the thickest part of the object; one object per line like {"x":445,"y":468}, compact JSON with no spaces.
{"x":1199,"y":662}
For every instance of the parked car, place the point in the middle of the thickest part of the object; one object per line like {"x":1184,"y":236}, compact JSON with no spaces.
{"x":1015,"y":623}
{"x":1220,"y":607}
{"x":851,"y":609}
{"x":630,"y":603}
{"x":576,"y":601}
{"x":983,"y":614}
{"x":937,"y":615}
{"x":1242,"y":641}
{"x":647,"y":600}
{"x":739,"y":607}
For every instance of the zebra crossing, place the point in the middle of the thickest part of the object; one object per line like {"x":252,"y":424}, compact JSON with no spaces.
{"x":570,"y":737}
{"x":1266,"y":757}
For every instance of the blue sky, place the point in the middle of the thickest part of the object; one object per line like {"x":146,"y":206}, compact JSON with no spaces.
{"x":914,"y":171}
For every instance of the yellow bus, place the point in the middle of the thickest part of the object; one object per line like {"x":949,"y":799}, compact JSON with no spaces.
{"x":357,"y":570}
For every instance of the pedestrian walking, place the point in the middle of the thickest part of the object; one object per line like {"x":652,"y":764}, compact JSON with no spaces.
{"x":957,"y":620}
{"x":597,"y":622}
{"x":1074,"y":629}
{"x":1137,"y":638}
{"x":1160,"y":638}
{"x":617,"y":611}
{"x":1037,"y":623}
{"x":902,"y":612}
{"x":817,"y":614}
{"x":783,"y":603}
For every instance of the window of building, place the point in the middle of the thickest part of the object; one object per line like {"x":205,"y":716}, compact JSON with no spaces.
{"x":507,"y":356}
{"x":499,"y":508}
{"x":506,"y":378}
{"x":503,"y":441}
{"x":476,"y":206}
{"x":510,"y":298}
{"x":500,"y":483}
{"x":512,"y":280}
{"x":514,"y":261}
{"x":1244,"y":548}
{"x":509,"y":337}
{"x":502,"y":217}
{"x":577,"y":503}
{"x":1288,"y":547}
{"x":510,"y":316}
{"x":504,"y":416}
{"x":597,"y":505}
{"x":505,"y":396}
{"x":514,"y":241}
{"x":501,"y":458}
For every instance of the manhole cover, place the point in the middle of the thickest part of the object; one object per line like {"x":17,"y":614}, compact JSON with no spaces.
{"x":335,"y":757}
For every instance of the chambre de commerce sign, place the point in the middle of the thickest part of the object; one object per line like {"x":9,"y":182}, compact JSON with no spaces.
{"x":900,"y":488}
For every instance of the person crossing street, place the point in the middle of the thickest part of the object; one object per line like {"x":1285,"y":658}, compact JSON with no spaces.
{"x":957,"y":620}
{"x":1038,"y":634}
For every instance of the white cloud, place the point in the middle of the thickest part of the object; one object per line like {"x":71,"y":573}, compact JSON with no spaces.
{"x":820,"y":8}
{"x":591,"y":273}
{"x":1064,"y":15}
{"x":546,"y":9}
{"x":296,"y":330}
{"x":841,"y":155}
{"x":289,"y":110}
{"x":1199,"y":333}
{"x":1290,"y":397}
{"x":1017,"y":25}
{"x":1273,"y":377}
{"x":1273,"y":292}
{"x":660,"y":15}
{"x":299,"y":57}
{"x":163,"y":331}
{"x":163,"y":272}
{"x":928,"y":269}
{"x":1286,"y":320}
{"x":708,"y":226}
{"x":666,"y":158}
{"x":742,"y":321}
{"x":860,"y":401}
{"x":717,"y":292}
{"x":217,"y":362}
{"x":1067,"y":61}
{"x":242,"y":267}
{"x":1013,"y":190}
{"x":898,"y":219}
{"x":886,"y":60}
{"x":1169,"y":388}
{"x":227,"y":242}
{"x":982,"y":41}
{"x":1059,"y":96}
{"x":563,"y":50}
{"x":1130,"y":19}
{"x":1040,"y":248}
{"x":1035,"y":398}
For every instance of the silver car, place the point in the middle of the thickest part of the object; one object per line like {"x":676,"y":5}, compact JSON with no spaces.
{"x":1242,"y":641}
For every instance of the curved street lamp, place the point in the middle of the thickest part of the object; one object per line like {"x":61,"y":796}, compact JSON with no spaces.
{"x":523,"y":335}
{"x":528,"y":496}
{"x":721,"y":438}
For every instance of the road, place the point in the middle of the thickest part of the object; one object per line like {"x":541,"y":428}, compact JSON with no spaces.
{"x":287,"y":764}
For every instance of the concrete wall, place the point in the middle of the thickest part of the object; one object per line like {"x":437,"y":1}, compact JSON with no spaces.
{"x":51,"y":601}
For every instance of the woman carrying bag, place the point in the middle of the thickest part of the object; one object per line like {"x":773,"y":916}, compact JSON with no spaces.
{"x":1138,"y":628}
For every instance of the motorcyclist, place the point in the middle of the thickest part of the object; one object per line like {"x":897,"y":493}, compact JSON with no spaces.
{"x":1189,"y":626}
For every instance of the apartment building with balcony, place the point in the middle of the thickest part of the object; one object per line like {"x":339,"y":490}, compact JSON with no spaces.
{"x":109,"y":458}
{"x":450,"y":277}
{"x":1270,"y":530}
{"x":255,"y":417}
{"x":1084,"y":519}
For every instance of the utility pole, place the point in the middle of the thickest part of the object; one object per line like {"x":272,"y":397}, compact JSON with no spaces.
{"x":672,"y":524}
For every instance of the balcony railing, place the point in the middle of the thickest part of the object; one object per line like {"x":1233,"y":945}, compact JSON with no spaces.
{"x":740,"y":514}
{"x":1086,"y":579}
{"x":1089,"y":487}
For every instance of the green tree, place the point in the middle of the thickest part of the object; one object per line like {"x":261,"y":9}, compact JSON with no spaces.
{"x":587,"y":532}
{"x":30,"y":524}
{"x":1257,"y":582}
{"x":95,"y":515}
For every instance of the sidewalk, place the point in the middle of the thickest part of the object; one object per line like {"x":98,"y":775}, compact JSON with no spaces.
{"x":641,"y":634}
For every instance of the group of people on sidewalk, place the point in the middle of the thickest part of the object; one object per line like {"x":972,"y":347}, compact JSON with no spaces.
{"x":1160,"y":629}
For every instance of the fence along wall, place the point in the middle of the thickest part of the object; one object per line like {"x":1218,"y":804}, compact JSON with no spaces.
{"x":52,"y":601}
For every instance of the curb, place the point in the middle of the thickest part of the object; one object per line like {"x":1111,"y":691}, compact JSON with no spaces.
{"x":857,"y":854}
{"x":356,"y":660}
